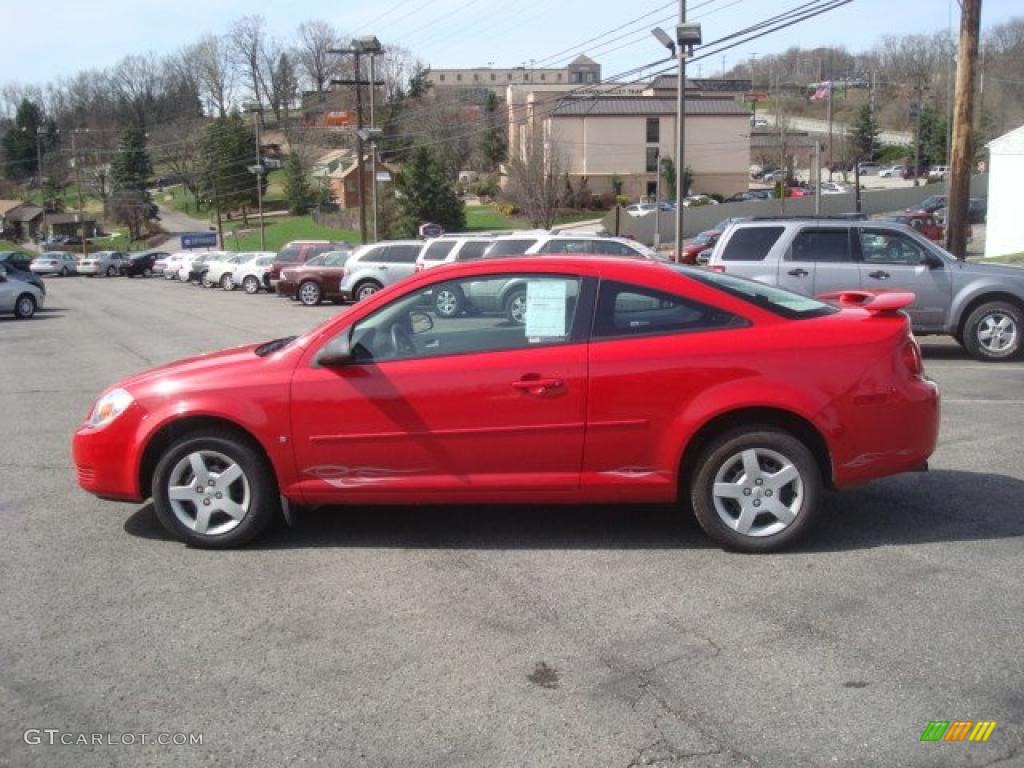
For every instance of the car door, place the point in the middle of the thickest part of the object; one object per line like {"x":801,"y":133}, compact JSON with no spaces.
{"x":894,"y":260}
{"x":399,"y":260}
{"x":471,"y":404}
{"x":8,"y":290}
{"x":819,"y":260}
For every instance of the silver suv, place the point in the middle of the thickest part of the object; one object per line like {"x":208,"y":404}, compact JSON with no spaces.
{"x":980,"y":305}
{"x":377,"y":265}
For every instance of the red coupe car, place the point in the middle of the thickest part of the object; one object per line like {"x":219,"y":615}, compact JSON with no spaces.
{"x":567,"y":380}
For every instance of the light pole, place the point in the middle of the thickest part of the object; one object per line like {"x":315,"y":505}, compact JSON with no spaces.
{"x":687,"y":36}
{"x":258,"y":170}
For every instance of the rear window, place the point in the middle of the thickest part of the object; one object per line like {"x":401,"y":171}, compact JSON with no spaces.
{"x":289,"y":253}
{"x":438,"y":250}
{"x":780,"y":302}
{"x":316,"y":250}
{"x":336,"y":258}
{"x":821,"y":245}
{"x":751,"y":243}
{"x":510,"y":247}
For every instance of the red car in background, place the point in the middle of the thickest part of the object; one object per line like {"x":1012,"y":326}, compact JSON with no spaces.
{"x":618,"y":381}
{"x":703,"y":242}
{"x":922,"y":221}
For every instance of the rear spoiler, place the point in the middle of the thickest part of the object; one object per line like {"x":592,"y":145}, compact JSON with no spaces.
{"x":876,"y":302}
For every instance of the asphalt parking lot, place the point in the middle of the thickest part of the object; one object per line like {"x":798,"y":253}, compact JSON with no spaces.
{"x":492,"y":636}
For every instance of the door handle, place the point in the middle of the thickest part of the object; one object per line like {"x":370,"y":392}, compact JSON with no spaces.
{"x":382,"y":267}
{"x":879,"y":275}
{"x":537,"y":385}
{"x":798,"y":272}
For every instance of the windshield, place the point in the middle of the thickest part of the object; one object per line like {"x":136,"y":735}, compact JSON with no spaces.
{"x":775,"y":300}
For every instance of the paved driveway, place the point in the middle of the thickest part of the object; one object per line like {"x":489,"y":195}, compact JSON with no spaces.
{"x":490,"y":636}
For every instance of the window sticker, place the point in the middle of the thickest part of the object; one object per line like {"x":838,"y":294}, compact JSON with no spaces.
{"x":546,"y":302}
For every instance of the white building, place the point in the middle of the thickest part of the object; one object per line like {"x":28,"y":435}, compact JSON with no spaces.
{"x":1004,"y":233}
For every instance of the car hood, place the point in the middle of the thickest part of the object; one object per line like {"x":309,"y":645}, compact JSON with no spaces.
{"x":172,"y":376}
{"x":992,"y":270}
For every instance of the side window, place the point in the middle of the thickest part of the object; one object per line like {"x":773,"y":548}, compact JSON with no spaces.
{"x":378,"y":255}
{"x":821,"y":245}
{"x":290,"y":253}
{"x":316,"y":250}
{"x":502,"y":313}
{"x":402,"y":254}
{"x":438,"y":249}
{"x":632,"y":310}
{"x":612,"y":248}
{"x":566,"y":246}
{"x":883,"y":247}
{"x":751,"y":243}
{"x":472,"y":250}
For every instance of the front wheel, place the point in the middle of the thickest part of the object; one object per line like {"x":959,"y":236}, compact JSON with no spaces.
{"x":25,"y":306}
{"x":226,"y":283}
{"x":111,"y":271}
{"x":993,"y":332}
{"x":251,"y":284}
{"x":147,"y":272}
{"x":205,"y":280}
{"x":756,"y":489}
{"x":309,"y":293}
{"x":214,"y":490}
{"x":448,"y":301}
{"x":515,"y":308}
{"x":65,"y":272}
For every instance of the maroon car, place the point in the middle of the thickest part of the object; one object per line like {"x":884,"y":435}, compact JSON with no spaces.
{"x":299,"y":252}
{"x":316,"y":280}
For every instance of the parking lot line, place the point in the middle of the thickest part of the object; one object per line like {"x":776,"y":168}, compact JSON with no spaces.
{"x":980,"y":401}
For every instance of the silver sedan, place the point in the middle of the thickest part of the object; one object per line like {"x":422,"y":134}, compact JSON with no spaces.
{"x":55,"y":263}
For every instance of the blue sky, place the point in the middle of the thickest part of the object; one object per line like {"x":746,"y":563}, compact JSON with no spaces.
{"x":72,"y":34}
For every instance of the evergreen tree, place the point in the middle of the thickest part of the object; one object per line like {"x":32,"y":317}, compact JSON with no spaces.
{"x":228,"y":149}
{"x":426,"y":194}
{"x":865,"y":134}
{"x":19,"y":142}
{"x":130,"y":203}
{"x":493,"y":143}
{"x":932,"y":137}
{"x":296,"y":186}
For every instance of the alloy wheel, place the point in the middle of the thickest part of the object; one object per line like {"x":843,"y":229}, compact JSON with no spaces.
{"x":446,"y":302}
{"x":209,"y":493}
{"x":758,"y":492}
{"x":251,"y":285}
{"x":997,"y":332}
{"x":517,"y":309}
{"x":25,"y":307}
{"x":309,"y":294}
{"x":366,"y":291}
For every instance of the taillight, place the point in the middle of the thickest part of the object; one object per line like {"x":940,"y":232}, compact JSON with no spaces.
{"x":717,"y":268}
{"x":911,"y":354}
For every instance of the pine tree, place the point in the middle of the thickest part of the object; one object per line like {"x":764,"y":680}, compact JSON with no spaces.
{"x":865,"y":134}
{"x":296,"y":186}
{"x":493,"y":143}
{"x":427,"y":194}
{"x":130,"y":203}
{"x":228,"y":148}
{"x":19,"y":142}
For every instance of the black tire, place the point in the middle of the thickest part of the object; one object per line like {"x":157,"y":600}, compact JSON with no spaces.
{"x":226,"y":283}
{"x":111,"y":271}
{"x":264,"y":501}
{"x":514,"y":307}
{"x":251,"y":284}
{"x":366,"y":289}
{"x":25,"y":306}
{"x":309,"y":293}
{"x":204,"y":280}
{"x":988,"y":318}
{"x":147,"y":272}
{"x":65,"y":272}
{"x":449,"y":301}
{"x":722,"y":455}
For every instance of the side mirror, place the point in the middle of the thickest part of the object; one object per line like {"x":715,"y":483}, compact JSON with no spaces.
{"x":932,"y":261}
{"x":336,"y":353}
{"x":421,"y":322}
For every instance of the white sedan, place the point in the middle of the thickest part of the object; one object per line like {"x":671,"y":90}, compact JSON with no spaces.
{"x":252,"y":275}
{"x":55,"y":263}
{"x":169,"y":267}
{"x":222,"y":271}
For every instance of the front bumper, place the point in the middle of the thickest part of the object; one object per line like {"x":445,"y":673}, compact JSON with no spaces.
{"x":106,"y":460}
{"x":286,"y":288}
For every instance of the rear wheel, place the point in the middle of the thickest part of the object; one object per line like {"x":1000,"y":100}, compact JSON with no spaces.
{"x":147,"y":272}
{"x":205,"y":280}
{"x":251,"y":284}
{"x":65,"y":272}
{"x":111,"y":271}
{"x":515,"y":307}
{"x":309,"y":293}
{"x":756,"y":489}
{"x":226,"y":282}
{"x":993,"y":332}
{"x":366,"y":289}
{"x":214,"y":490}
{"x":25,"y":306}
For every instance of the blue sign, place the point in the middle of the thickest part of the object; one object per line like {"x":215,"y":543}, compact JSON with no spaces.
{"x":191,"y":240}
{"x":431,"y":230}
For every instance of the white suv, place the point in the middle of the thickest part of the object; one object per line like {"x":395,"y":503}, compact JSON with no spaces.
{"x":597,"y":245}
{"x":253,"y":275}
{"x":449,"y":249}
{"x":222,"y":272}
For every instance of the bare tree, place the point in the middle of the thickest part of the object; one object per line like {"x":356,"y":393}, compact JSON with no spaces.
{"x":284,"y":83}
{"x":211,"y":57}
{"x":248,"y":39}
{"x":316,"y":39}
{"x":535,"y":181}
{"x":136,"y":82}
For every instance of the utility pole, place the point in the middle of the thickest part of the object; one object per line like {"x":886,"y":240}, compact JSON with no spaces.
{"x":817,"y":178}
{"x":216,"y":204}
{"x":373,"y":142}
{"x":960,"y":166}
{"x":78,"y":185}
{"x":680,"y":135}
{"x":258,"y":170}
{"x":363,"y":45}
{"x":829,"y":118}
{"x":657,"y":209}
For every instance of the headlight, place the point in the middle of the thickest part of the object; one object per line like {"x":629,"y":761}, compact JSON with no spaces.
{"x":109,"y":407}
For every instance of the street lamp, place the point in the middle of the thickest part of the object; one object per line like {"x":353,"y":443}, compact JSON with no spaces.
{"x":258,"y":169}
{"x":687,"y":36}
